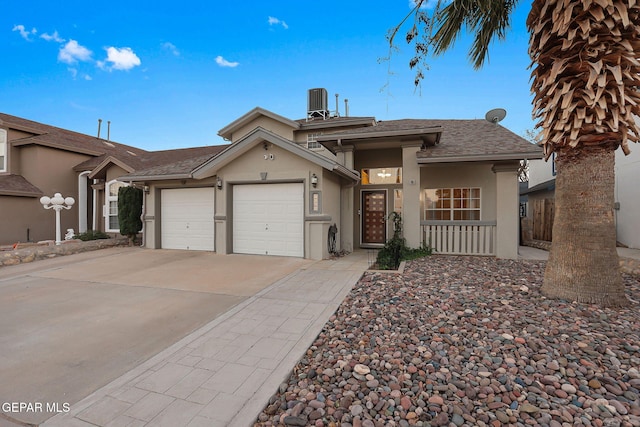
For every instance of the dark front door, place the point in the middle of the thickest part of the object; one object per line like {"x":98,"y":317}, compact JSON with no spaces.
{"x":374,"y":213}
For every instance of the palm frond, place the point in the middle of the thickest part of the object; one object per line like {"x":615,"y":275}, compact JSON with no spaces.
{"x":486,"y":20}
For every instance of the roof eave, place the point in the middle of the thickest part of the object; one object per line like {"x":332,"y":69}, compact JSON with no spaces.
{"x":142,"y":178}
{"x":227,"y":131}
{"x":480,"y":158}
{"x":30,"y":141}
{"x":346,"y":136}
{"x":105,"y":164}
{"x":20,"y":193}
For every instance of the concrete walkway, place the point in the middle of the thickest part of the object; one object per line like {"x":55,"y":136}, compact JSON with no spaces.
{"x":224,"y":373}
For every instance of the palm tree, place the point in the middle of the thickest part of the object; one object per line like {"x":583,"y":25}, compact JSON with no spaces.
{"x":585,"y":79}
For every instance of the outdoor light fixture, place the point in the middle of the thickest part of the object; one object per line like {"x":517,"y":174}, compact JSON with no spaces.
{"x":146,"y":189}
{"x":219,"y":183}
{"x":314,"y":180}
{"x":57,"y":203}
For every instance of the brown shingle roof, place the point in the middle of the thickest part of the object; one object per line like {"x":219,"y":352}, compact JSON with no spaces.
{"x":68,"y":140}
{"x":17,"y":185}
{"x":477,"y":138}
{"x":176,"y":162}
{"x":460,"y":139}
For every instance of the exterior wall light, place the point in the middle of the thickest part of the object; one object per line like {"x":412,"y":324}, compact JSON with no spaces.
{"x":314,"y":180}
{"x":57,"y":203}
{"x":219,"y":183}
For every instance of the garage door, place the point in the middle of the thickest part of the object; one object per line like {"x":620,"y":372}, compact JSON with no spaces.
{"x":187,"y":219}
{"x":268,"y":219}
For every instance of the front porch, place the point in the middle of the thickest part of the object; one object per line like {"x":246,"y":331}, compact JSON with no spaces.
{"x":460,"y":237}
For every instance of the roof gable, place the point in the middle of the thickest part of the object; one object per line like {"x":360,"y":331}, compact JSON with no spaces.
{"x":259,"y":136}
{"x":227,"y":131}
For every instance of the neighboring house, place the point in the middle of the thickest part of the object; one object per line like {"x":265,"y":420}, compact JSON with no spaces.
{"x":281,"y":184}
{"x":38,"y":160}
{"x":627,"y":203}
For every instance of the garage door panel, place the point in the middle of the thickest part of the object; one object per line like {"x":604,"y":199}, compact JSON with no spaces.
{"x":187,"y":218}
{"x":268,"y":219}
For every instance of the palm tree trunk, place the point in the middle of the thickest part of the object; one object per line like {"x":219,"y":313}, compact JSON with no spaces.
{"x":583,"y":263}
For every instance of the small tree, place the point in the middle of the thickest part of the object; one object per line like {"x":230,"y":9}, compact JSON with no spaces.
{"x":129,"y":212}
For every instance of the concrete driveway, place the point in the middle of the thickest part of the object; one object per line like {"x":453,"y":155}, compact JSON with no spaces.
{"x":70,"y":325}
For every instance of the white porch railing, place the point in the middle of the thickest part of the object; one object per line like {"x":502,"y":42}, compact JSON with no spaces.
{"x":460,"y":237}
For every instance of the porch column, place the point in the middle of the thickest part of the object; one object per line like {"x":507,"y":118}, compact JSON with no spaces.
{"x":346,"y":231}
{"x":507,"y":210}
{"x":411,"y":194}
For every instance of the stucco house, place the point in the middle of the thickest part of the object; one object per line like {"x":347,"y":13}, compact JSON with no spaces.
{"x":281,"y":184}
{"x":38,"y":159}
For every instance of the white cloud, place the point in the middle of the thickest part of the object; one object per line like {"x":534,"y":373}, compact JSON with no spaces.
{"x":23,"y":31}
{"x":428,"y":4}
{"x":224,"y":63}
{"x":72,"y":52}
{"x":120,"y":58}
{"x":276,"y":21}
{"x":171,"y":48}
{"x":52,"y":37}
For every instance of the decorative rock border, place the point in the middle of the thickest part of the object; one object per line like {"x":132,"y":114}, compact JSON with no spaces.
{"x":38,"y":252}
{"x":627,"y":265}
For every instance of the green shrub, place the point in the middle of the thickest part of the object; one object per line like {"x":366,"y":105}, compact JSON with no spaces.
{"x":396,"y":250}
{"x":129,"y":211}
{"x":91,"y":235}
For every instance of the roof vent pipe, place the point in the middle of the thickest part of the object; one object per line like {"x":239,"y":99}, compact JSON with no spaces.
{"x":99,"y":124}
{"x":337,"y":112}
{"x":109,"y":130}
{"x":346,"y":107}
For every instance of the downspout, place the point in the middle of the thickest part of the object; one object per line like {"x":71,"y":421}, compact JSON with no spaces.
{"x":95,"y":206}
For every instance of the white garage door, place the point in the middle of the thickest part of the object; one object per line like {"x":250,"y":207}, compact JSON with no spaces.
{"x":187,"y":219}
{"x":268,"y":219}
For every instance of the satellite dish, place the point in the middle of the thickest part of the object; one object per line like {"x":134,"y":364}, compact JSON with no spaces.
{"x":496,"y":115}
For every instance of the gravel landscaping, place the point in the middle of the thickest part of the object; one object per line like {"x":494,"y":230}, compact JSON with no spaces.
{"x":466,"y":341}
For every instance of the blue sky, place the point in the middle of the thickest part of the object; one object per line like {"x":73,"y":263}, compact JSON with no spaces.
{"x":172,"y":74}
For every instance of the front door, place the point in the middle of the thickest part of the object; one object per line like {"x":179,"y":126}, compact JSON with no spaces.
{"x":374,"y":214}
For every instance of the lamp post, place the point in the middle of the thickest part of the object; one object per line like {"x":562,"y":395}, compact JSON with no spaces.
{"x":57,"y":202}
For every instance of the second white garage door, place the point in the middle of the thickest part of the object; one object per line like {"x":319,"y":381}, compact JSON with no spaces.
{"x":187,"y":219}
{"x":268,"y":219}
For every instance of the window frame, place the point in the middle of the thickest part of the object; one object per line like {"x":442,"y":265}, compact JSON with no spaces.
{"x":453,"y":204}
{"x":312,"y":141}
{"x":366,"y":173}
{"x":4,"y":151}
{"x":108,"y":198}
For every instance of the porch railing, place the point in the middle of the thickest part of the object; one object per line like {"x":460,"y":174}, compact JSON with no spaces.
{"x":460,"y":237}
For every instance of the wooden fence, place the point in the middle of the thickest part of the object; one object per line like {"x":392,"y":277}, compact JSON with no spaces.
{"x":543,"y":212}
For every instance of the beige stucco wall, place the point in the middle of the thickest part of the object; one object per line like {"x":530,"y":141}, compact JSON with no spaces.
{"x":450,"y":175}
{"x":50,"y":170}
{"x":267,"y":123}
{"x":627,"y":177}
{"x":285,"y":167}
{"x":246,"y":169}
{"x":152,"y":213}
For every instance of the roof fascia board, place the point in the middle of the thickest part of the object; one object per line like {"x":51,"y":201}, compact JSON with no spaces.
{"x":19,"y":193}
{"x":481,"y":158}
{"x":106,"y":162}
{"x":328,"y":123}
{"x":387,"y":134}
{"x":142,"y":178}
{"x":30,"y":141}
{"x":228,"y":130}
